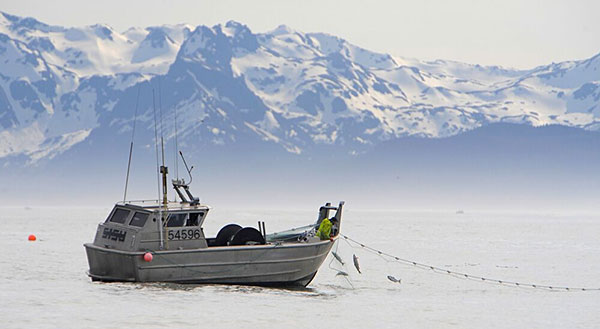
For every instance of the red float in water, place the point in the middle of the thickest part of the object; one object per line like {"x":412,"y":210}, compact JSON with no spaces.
{"x":32,"y":237}
{"x":148,"y":257}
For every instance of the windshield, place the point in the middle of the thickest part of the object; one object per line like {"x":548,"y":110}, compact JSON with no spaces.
{"x":176,"y":220}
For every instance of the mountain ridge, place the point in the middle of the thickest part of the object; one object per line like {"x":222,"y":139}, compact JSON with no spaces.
{"x":301,"y":91}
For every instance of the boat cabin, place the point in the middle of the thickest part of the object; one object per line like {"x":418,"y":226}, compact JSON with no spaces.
{"x":178,"y":226}
{"x":136,"y":228}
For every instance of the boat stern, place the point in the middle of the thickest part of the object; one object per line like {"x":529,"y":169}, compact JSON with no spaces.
{"x":111,"y":265}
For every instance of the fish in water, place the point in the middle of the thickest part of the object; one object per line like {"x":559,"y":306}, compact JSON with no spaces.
{"x":355,"y":259}
{"x":342,"y":273}
{"x":393,"y":279}
{"x":337,"y":257}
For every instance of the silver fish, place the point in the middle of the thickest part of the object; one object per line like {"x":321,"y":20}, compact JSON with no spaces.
{"x":393,"y":279}
{"x":355,"y":259}
{"x":342,"y":273}
{"x":337,"y":257}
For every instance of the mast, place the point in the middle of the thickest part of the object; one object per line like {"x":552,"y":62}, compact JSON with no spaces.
{"x":163,"y":170}
{"x":160,"y":210}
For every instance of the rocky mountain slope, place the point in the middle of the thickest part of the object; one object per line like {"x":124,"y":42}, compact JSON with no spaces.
{"x":225,"y":85}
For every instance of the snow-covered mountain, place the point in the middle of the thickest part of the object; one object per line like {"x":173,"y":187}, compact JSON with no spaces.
{"x":60,"y":86}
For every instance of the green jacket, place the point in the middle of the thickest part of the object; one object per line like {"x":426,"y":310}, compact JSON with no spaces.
{"x":324,"y":229}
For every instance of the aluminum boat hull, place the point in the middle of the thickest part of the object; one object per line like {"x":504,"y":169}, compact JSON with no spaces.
{"x":279,"y":264}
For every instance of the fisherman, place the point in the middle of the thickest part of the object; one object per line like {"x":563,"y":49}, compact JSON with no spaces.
{"x":334,"y":226}
{"x":324,"y":230}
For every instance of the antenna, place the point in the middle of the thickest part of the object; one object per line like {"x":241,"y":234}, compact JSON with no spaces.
{"x":163,"y":170}
{"x":156,"y":143}
{"x":176,"y":149}
{"x":137,"y":100}
{"x":176,"y":146}
{"x":160,"y":213}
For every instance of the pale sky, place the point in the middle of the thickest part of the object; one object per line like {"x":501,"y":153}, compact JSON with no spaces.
{"x":511,"y":33}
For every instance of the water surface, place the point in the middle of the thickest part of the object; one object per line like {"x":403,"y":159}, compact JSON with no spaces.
{"x":43,"y":283}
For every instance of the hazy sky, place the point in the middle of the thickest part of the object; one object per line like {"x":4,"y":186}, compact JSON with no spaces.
{"x":517,"y":33}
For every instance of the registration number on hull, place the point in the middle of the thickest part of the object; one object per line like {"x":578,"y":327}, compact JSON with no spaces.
{"x":189,"y":234}
{"x":113,"y":234}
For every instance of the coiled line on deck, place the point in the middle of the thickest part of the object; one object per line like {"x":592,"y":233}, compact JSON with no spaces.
{"x":439,"y":270}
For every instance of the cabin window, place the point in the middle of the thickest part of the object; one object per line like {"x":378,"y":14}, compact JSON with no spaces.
{"x":119,"y":216}
{"x":194,"y":219}
{"x":139,"y":219}
{"x":176,"y":220}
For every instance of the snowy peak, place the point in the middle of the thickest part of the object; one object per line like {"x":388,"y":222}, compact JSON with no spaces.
{"x":299,"y":91}
{"x":215,"y":47}
{"x":328,"y":45}
{"x":157,"y":43}
{"x":98,"y":49}
{"x":281,"y":30}
{"x":158,"y":38}
{"x":24,"y":26}
{"x":242,"y":39}
{"x":103,"y":32}
{"x":570,"y":74}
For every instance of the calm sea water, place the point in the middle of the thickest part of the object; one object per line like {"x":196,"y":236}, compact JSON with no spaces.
{"x":43,"y":283}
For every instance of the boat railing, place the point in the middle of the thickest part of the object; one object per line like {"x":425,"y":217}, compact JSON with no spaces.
{"x":155,"y":204}
{"x":290,"y":234}
{"x":138,"y":201}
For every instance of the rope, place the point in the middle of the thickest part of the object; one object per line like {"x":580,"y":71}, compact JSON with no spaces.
{"x":337,"y":244}
{"x":439,"y":270}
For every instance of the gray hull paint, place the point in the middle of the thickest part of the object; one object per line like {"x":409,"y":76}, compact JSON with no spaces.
{"x":276,"y":264}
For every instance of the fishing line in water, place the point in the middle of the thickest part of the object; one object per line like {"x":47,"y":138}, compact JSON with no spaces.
{"x":455,"y":274}
{"x":343,"y":273}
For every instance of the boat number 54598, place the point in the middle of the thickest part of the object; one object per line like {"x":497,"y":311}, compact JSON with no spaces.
{"x":184,"y":234}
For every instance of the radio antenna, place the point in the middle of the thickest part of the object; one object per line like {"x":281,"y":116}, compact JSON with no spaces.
{"x":163,"y":169}
{"x":156,"y":143}
{"x":160,"y":212}
{"x":137,"y":100}
{"x":176,"y":149}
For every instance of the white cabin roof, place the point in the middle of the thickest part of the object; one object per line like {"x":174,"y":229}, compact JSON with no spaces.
{"x":154,"y":205}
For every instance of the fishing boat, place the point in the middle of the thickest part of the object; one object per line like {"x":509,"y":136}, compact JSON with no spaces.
{"x":164,"y":241}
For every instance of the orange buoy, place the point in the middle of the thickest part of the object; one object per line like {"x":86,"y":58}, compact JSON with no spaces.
{"x":32,"y":237}
{"x":148,"y":257}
